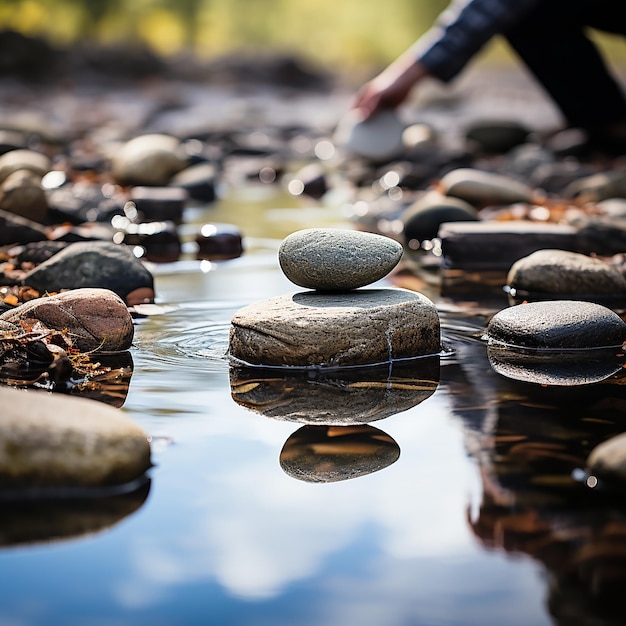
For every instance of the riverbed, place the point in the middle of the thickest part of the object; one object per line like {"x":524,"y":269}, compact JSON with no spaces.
{"x":481,"y":516}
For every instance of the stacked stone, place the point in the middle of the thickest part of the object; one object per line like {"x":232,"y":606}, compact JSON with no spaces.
{"x":336,"y":322}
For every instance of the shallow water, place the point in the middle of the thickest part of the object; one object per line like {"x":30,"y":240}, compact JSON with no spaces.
{"x":480,"y":516}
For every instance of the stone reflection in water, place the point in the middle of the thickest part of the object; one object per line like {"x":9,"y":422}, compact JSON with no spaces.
{"x":326,"y":454}
{"x":110,"y":381}
{"x":553,"y":367}
{"x":37,"y":521}
{"x":341,"y":396}
{"x":532,"y":442}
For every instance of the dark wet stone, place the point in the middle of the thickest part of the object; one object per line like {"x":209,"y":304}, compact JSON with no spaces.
{"x":493,"y":245}
{"x":199,"y":181}
{"x":560,"y":272}
{"x":157,"y":242}
{"x":335,"y":259}
{"x":21,"y":193}
{"x":360,"y":327}
{"x":148,"y":160}
{"x":557,"y":324}
{"x":604,"y":237}
{"x":39,"y":251}
{"x":91,"y":264}
{"x":424,"y":217}
{"x":15,"y":229}
{"x":310,"y":181}
{"x":95,"y":319}
{"x":495,"y":137}
{"x":324,"y":454}
{"x":555,"y":177}
{"x":52,"y":441}
{"x":607,"y":460}
{"x":219,"y":242}
{"x":481,"y":188}
{"x":156,"y":204}
{"x":355,"y":395}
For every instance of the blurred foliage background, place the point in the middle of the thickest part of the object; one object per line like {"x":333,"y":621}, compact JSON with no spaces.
{"x":348,"y":32}
{"x":341,"y":34}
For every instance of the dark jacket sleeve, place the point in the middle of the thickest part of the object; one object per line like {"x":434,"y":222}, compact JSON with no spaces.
{"x":462,"y":30}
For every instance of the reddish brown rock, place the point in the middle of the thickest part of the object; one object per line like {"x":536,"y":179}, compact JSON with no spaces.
{"x":95,"y":319}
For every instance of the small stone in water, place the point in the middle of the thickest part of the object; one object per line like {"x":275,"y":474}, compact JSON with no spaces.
{"x":557,"y":324}
{"x":329,"y":259}
{"x":219,"y":242}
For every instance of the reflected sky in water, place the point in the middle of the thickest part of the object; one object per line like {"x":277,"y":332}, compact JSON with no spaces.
{"x":226,"y":536}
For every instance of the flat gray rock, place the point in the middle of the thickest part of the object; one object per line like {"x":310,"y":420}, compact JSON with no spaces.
{"x":557,"y":324}
{"x":330,"y":259}
{"x":563,"y":272}
{"x":360,"y":327}
{"x":61,"y":442}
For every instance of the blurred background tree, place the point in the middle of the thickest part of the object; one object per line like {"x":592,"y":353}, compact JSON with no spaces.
{"x":331,"y":32}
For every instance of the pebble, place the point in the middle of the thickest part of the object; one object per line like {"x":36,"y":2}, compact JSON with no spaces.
{"x":29,"y":160}
{"x":480,"y":188}
{"x":329,"y":259}
{"x":15,"y":229}
{"x":92,"y":264}
{"x":422,"y":219}
{"x":598,"y":187}
{"x":329,"y":330}
{"x":21,"y":193}
{"x":324,"y":454}
{"x":150,"y":160}
{"x":562,"y":272}
{"x":377,"y":139}
{"x":495,"y":137}
{"x":608,"y":459}
{"x":95,"y":319}
{"x":60,"y":442}
{"x":557,"y":324}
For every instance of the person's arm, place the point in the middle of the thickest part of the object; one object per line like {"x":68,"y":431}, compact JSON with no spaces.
{"x":442,"y":52}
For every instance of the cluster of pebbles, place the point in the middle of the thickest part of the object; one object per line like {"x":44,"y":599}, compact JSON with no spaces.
{"x":553,"y":228}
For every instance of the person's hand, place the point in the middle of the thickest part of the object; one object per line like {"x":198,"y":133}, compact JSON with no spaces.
{"x":390,"y":88}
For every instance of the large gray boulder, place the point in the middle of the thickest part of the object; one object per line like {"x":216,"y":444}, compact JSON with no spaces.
{"x":361,"y":327}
